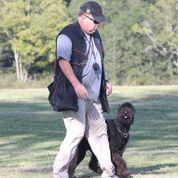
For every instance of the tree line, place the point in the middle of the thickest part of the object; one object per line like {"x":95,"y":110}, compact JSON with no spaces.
{"x":140,"y":38}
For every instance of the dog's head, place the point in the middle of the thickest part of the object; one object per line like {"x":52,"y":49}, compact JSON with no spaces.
{"x":126,"y":113}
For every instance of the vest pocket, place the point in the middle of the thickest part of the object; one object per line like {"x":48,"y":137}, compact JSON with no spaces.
{"x":62,"y":96}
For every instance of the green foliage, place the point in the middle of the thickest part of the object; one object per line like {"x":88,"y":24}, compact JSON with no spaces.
{"x":131,"y":57}
{"x":31,"y":28}
{"x":6,"y":54}
{"x":140,"y":37}
{"x":161,"y":37}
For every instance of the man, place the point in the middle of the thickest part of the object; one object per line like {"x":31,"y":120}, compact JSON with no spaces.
{"x":82,"y":89}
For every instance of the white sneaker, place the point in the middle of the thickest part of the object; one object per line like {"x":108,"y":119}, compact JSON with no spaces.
{"x":106,"y":174}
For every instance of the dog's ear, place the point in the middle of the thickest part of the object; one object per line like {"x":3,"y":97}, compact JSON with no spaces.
{"x":119,"y":107}
{"x":133,"y":108}
{"x":131,"y":105}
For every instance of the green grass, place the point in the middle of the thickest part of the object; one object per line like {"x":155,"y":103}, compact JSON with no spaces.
{"x":30,"y":132}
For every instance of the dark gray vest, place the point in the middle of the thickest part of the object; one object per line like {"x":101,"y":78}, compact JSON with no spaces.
{"x":62,"y":95}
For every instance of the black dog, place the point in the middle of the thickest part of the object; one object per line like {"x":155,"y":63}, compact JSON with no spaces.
{"x":118,"y":135}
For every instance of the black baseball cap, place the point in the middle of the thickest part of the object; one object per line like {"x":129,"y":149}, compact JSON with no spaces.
{"x":95,"y":10}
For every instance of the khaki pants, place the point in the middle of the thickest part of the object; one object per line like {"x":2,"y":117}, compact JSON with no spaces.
{"x":87,"y":121}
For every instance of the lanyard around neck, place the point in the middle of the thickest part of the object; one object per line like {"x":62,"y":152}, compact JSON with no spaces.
{"x":91,"y":46}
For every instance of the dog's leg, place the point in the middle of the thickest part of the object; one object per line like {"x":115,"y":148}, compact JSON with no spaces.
{"x":93,"y":164}
{"x":120,"y":166}
{"x":79,"y":156}
{"x":73,"y":165}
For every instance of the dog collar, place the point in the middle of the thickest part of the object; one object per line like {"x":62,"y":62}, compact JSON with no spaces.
{"x":125,"y":134}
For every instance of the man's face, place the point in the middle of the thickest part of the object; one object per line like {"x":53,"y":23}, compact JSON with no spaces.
{"x":89,"y":24}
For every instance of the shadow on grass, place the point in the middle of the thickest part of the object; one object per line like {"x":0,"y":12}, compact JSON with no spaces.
{"x":155,"y":169}
{"x":25,"y":126}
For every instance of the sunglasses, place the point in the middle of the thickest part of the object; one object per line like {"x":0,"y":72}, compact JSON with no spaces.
{"x":94,"y":21}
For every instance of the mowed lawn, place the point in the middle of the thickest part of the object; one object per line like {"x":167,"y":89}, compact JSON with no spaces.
{"x":31,"y":132}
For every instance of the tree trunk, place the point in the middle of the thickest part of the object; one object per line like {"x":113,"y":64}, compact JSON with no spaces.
{"x":25,"y":74}
{"x":16,"y":56}
{"x":21,"y":72}
{"x":176,"y":28}
{"x":170,"y":68}
{"x":114,"y":61}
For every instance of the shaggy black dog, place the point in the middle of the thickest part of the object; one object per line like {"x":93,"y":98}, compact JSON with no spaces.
{"x":118,"y":135}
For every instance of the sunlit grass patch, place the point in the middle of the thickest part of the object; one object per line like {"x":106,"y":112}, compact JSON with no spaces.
{"x":31,"y":132}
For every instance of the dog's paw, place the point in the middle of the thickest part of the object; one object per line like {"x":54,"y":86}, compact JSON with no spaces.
{"x":73,"y":176}
{"x":99,"y":170}
{"x":96,"y":169}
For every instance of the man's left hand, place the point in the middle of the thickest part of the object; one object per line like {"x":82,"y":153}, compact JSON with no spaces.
{"x":108,"y":88}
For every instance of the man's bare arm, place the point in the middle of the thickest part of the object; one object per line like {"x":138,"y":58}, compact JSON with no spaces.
{"x":68,"y":72}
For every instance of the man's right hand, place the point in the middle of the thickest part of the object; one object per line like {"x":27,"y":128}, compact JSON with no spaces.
{"x":81,"y":91}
